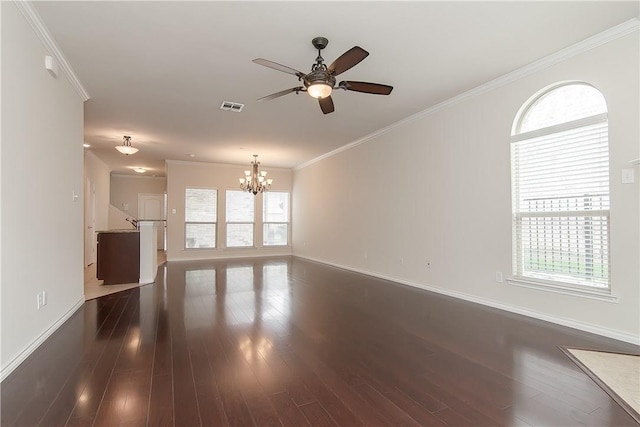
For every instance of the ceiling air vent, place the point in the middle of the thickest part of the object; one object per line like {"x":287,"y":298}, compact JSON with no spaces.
{"x":231,"y":106}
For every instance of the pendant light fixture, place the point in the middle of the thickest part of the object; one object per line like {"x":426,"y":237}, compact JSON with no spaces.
{"x":126,"y":147}
{"x":254,"y":181}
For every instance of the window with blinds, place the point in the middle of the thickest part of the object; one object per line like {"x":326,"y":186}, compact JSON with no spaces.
{"x":200,"y":217}
{"x":240,"y":218}
{"x":275,"y":218}
{"x":560,"y":186}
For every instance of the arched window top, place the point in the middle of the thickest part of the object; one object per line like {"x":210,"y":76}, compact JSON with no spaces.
{"x":562,"y":104}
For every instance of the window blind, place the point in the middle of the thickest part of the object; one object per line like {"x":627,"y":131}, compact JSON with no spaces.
{"x":201,"y":205}
{"x":275,"y":215}
{"x":240,"y":218}
{"x":561,"y":204}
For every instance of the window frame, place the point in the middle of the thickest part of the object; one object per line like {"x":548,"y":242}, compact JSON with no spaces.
{"x":266,"y":223}
{"x":214,"y":223}
{"x":227,"y":222}
{"x":550,"y":283}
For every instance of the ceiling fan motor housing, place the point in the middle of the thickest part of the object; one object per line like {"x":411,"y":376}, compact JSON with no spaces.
{"x":320,"y":42}
{"x":319,"y":76}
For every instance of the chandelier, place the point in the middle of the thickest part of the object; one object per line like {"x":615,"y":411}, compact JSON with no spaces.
{"x":126,"y":147}
{"x":255,"y":182}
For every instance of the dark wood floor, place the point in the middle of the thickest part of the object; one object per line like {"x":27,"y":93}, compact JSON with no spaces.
{"x":289,"y":342}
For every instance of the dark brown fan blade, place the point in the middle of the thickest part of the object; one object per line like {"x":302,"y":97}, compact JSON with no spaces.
{"x":365,"y":87}
{"x":278,"y":67}
{"x":281,"y":93}
{"x":326,"y":105}
{"x":347,"y":60}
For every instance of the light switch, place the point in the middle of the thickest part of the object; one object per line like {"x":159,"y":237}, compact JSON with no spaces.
{"x":51,"y":65}
{"x":173,"y":211}
{"x":628,"y":176}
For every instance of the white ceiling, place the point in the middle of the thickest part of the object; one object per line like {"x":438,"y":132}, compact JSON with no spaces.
{"x":159,"y":71}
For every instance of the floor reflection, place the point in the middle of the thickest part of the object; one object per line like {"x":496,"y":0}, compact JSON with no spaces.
{"x":255,"y":348}
{"x":249,"y":298}
{"x":288,"y":341}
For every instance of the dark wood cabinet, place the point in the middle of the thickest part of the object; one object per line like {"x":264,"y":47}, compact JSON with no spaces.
{"x":118,"y":257}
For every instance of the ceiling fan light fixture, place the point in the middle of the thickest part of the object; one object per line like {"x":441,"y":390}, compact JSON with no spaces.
{"x":319,"y":90}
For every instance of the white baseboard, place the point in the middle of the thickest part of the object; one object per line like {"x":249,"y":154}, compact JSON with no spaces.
{"x":231,"y":254}
{"x":22,"y":356}
{"x":563,"y":321}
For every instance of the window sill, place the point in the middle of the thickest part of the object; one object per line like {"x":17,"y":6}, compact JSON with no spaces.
{"x":559,"y":288}
{"x":238,"y":248}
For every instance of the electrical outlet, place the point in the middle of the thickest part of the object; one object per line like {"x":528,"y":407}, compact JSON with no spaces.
{"x":428,"y":265}
{"x":499,"y":277}
{"x":628,"y":176}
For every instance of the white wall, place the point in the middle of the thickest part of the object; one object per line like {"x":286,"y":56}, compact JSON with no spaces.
{"x":437,"y":189}
{"x":125,"y":189}
{"x":100,"y":174}
{"x":42,"y":226}
{"x":181,"y":174}
{"x":118,"y":220}
{"x":1,"y":183}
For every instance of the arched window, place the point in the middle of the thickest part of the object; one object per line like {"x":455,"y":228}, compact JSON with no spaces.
{"x":560,"y":188}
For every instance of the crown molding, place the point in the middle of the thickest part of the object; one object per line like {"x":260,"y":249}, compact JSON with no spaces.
{"x":585,"y":45}
{"x":33,"y":18}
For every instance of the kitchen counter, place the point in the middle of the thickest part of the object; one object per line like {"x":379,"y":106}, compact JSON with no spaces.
{"x":118,"y":256}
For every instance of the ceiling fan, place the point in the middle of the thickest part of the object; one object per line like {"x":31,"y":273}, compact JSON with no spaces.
{"x":321,"y":81}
